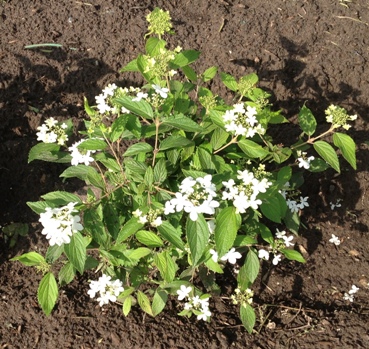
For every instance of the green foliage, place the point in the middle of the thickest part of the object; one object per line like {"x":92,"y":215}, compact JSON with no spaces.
{"x":198,"y":185}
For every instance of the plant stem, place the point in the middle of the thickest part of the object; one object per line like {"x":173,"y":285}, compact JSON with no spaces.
{"x":312,"y":140}
{"x":156,"y":150}
{"x":233,"y":140}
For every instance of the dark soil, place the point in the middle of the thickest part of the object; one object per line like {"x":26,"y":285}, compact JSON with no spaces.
{"x":312,"y":51}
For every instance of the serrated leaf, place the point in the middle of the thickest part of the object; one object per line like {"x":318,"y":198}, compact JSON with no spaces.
{"x":61,"y":198}
{"x":218,"y":138}
{"x":48,"y":152}
{"x":127,"y":305}
{"x":144,"y":303}
{"x":247,"y":315}
{"x":160,"y":172}
{"x":47,"y":293}
{"x":30,"y":259}
{"x":209,"y":74}
{"x":189,"y":73}
{"x":149,"y":239}
{"x":38,"y":206}
{"x":228,"y":222}
{"x":166,"y":265}
{"x":229,"y":81}
{"x":252,"y":149}
{"x":307,"y":121}
{"x":318,"y":165}
{"x":328,"y":154}
{"x":185,"y":58}
{"x":171,"y":234}
{"x":293,"y":255}
{"x":182,"y":122}
{"x":347,"y":146}
{"x":85,"y":173}
{"x":272,"y":209}
{"x":159,"y":300}
{"x":154,"y":45}
{"x":197,"y":233}
{"x":76,"y":251}
{"x":128,"y":229}
{"x":66,"y":274}
{"x":266,"y":234}
{"x":175,"y":141}
{"x":53,"y":253}
{"x":131,"y":66}
{"x":93,"y":144}
{"x":93,"y":225}
{"x":138,"y":148}
{"x":252,"y":266}
{"x":140,"y":108}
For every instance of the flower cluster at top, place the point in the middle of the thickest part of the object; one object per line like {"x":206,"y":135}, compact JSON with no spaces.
{"x":195,"y":196}
{"x":350,"y":295}
{"x":60,"y":224}
{"x":242,"y":297}
{"x":241,"y":121}
{"x":52,"y":132}
{"x":244,"y":193}
{"x":159,"y":22}
{"x":152,"y":217}
{"x":198,"y":305}
{"x":293,"y":204}
{"x":282,"y":241}
{"x":338,"y":117}
{"x":107,"y":289}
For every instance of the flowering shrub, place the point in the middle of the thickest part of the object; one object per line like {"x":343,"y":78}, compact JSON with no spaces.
{"x":198,"y":187}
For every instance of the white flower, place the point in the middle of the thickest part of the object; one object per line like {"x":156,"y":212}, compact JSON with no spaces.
{"x":303,"y":202}
{"x":183,"y":292}
{"x":214,"y":255}
{"x":263,"y":254}
{"x":162,"y":91}
{"x":142,"y":219}
{"x":280,"y":234}
{"x":335,"y":240}
{"x":354,"y":289}
{"x":337,"y":204}
{"x":231,"y":256}
{"x":137,"y":213}
{"x":139,"y":96}
{"x":107,"y":289}
{"x":348,"y":297}
{"x":80,"y":156}
{"x":169,"y":208}
{"x":287,"y":240}
{"x":204,"y":315}
{"x":292,"y":205}
{"x":277,"y":258}
{"x":60,"y":224}
{"x":156,"y":222}
{"x":52,"y":132}
{"x":109,"y":90}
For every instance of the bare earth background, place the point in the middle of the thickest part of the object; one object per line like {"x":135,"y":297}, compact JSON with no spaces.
{"x":309,"y":51}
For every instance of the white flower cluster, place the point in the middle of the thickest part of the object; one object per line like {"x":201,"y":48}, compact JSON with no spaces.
{"x":282,"y":241}
{"x":200,"y":306}
{"x":60,"y":224}
{"x":102,"y":103}
{"x":244,"y":194}
{"x":80,"y":156}
{"x":241,"y":121}
{"x":195,"y":197}
{"x":335,"y":240}
{"x":243,"y":297}
{"x":231,"y":256}
{"x":350,"y":295}
{"x":52,"y":132}
{"x":303,"y":160}
{"x":151,"y":217}
{"x":107,"y":289}
{"x":294,"y":205}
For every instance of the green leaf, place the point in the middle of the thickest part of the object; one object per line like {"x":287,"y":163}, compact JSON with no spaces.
{"x":266,"y":234}
{"x":159,"y":300}
{"x":93,"y":225}
{"x":292,"y":221}
{"x":76,"y":251}
{"x":166,"y":265}
{"x":85,"y":173}
{"x":61,"y":198}
{"x":138,"y":148}
{"x":175,"y":141}
{"x":140,"y":108}
{"x":347,"y":146}
{"x":190,"y":73}
{"x":307,"y":121}
{"x":38,"y":206}
{"x":206,"y":159}
{"x":284,"y":175}
{"x":48,"y":152}
{"x":274,"y":208}
{"x":47,"y":293}
{"x":160,"y":172}
{"x":247,"y":315}
{"x":228,"y":222}
{"x":209,"y":74}
{"x":118,"y":127}
{"x":128,"y":229}
{"x":30,"y":259}
{"x":149,"y":176}
{"x":318,"y":165}
{"x":328,"y":154}
{"x":66,"y":274}
{"x":93,"y":144}
{"x":252,"y":149}
{"x":171,"y":234}
{"x":182,"y":123}
{"x":229,"y":81}
{"x":149,"y":239}
{"x":154,"y":45}
{"x":197,"y":233}
{"x":252,"y":265}
{"x":218,"y":138}
{"x":53,"y":253}
{"x":138,"y":253}
{"x":127,"y":305}
{"x":293,"y":255}
{"x":131,"y":66}
{"x":144,"y":303}
{"x":185,"y":58}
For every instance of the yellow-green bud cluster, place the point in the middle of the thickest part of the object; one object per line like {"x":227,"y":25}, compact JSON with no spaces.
{"x":159,"y":22}
{"x":338,"y":117}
